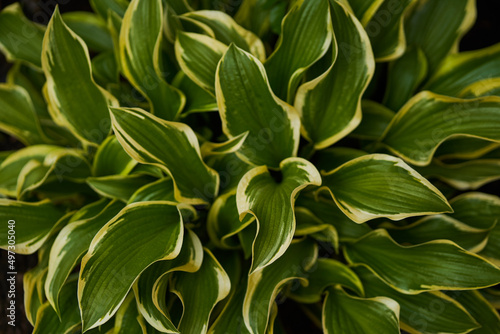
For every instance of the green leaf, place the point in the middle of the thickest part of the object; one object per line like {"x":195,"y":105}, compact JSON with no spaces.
{"x":404,"y":77}
{"x":200,"y":292}
{"x":58,"y":165}
{"x":91,"y":28}
{"x":328,"y":212}
{"x":70,"y":245}
{"x":160,"y":190}
{"x":153,"y":231}
{"x":198,"y":56}
{"x":33,"y":224}
{"x":341,"y":314}
{"x":460,"y":70}
{"x":264,"y":284}
{"x":385,"y":29}
{"x":19,"y":117}
{"x":223,"y":221}
{"x":128,"y":320}
{"x":20,"y":38}
{"x":111,"y":159}
{"x":447,"y":266}
{"x":117,"y":186}
{"x":230,"y":146}
{"x":330,"y":105}
{"x":325,"y":273}
{"x":246,"y":103}
{"x":75,"y":101}
{"x":105,"y":69}
{"x":465,"y":175}
{"x":437,"y":26}
{"x":151,"y":287}
{"x":365,"y":9}
{"x":228,"y":31}
{"x":140,"y":57}
{"x":307,"y":224}
{"x":464,"y":148}
{"x":102,"y":7}
{"x":485,"y":87}
{"x":480,"y":309}
{"x":48,"y":320}
{"x":194,"y":181}
{"x":353,"y":184}
{"x":306,"y":34}
{"x":426,"y":313}
{"x":197,"y":99}
{"x":259,"y":194}
{"x":444,"y":117}
{"x":375,"y":120}
{"x":440,"y":227}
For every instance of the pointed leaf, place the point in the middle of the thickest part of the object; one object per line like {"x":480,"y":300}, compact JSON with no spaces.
{"x":306,"y":34}
{"x":91,"y":28}
{"x":444,"y":117}
{"x":246,"y":103}
{"x":330,"y":105}
{"x":117,"y":186}
{"x":140,"y":57}
{"x":447,"y":266}
{"x":153,"y":231}
{"x":194,"y":181}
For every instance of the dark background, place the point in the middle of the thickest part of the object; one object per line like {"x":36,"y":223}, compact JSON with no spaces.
{"x":485,"y":32}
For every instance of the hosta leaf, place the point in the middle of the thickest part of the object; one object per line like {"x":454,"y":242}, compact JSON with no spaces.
{"x":480,"y":309}
{"x":151,"y":287}
{"x":306,"y":34}
{"x":228,"y":31}
{"x":20,"y":38}
{"x":140,"y":57}
{"x":34,"y":223}
{"x":198,"y":56}
{"x":91,"y":28}
{"x":160,"y":190}
{"x":485,"y":87}
{"x":404,"y":77}
{"x":328,"y":212}
{"x":465,"y":148}
{"x":307,"y":224}
{"x":75,"y":101}
{"x":18,"y":116}
{"x":200,"y":292}
{"x":264,"y":284}
{"x":70,"y":245}
{"x":102,"y":7}
{"x":111,"y":159}
{"x":375,"y":120}
{"x":447,"y":266}
{"x":197,"y":99}
{"x":128,"y":319}
{"x":105,"y":68}
{"x":353,"y":190}
{"x":259,"y":195}
{"x":341,"y":314}
{"x":223,"y":221}
{"x":246,"y":103}
{"x":437,"y":26}
{"x":426,"y":313}
{"x":118,"y":186}
{"x":385,"y":29}
{"x":444,"y":117}
{"x":90,"y":210}
{"x":440,"y":227}
{"x":325,"y":273}
{"x":69,"y":321}
{"x":227,"y":147}
{"x":476,"y":209}
{"x":56,"y":166}
{"x":365,"y":9}
{"x":330,"y":105}
{"x":463,"y":69}
{"x":153,"y":231}
{"x":466,"y":175}
{"x":194,"y":181}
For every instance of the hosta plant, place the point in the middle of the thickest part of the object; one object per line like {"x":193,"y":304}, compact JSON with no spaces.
{"x":253,"y":167}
